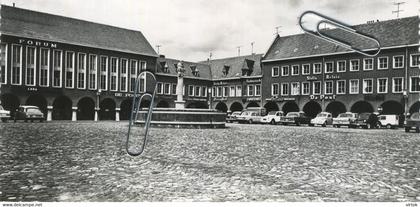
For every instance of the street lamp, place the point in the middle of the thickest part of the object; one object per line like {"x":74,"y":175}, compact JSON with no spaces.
{"x":380,"y":109}
{"x":98,"y":94}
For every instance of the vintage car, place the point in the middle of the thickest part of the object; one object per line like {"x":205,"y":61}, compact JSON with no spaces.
{"x":297,"y":118}
{"x":323,"y":119}
{"x":4,"y":114}
{"x":251,"y":115}
{"x":232,"y":117}
{"x":412,"y":123}
{"x":389,"y":121}
{"x":273,"y":117}
{"x":30,"y":113}
{"x":344,"y":119}
{"x":366,"y":120}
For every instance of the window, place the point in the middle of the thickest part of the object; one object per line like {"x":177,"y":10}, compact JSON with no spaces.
{"x":92,"y":72}
{"x":104,"y":73}
{"x":16,"y":64}
{"x":367,"y":85}
{"x":285,"y":71}
{"x":295,"y":89}
{"x":354,"y":65}
{"x":295,"y":70}
{"x":167,"y":89}
{"x":284,"y":89}
{"x":329,"y":67}
{"x":341,"y":66}
{"x":341,"y":87}
{"x":397,"y":85}
{"x":69,"y":75}
{"x":160,"y":88}
{"x":133,"y":74}
{"x":354,"y":86}
{"x":204,"y":91}
{"x":382,"y":85}
{"x":275,"y":72}
{"x":225,"y":91}
{"x":238,"y":91}
{"x":383,"y":63}
{"x":3,"y":72}
{"x":123,"y":75}
{"x":274,"y":89}
{"x":142,"y":66}
{"x":219,"y":91}
{"x":114,"y":74}
{"x":415,"y":60}
{"x":30,"y":66}
{"x":305,"y":88}
{"x":398,"y":61}
{"x":317,"y":68}
{"x":197,"y":91}
{"x":57,"y":68}
{"x":328,"y":87}
{"x":232,"y":91}
{"x":174,"y":88}
{"x":316,"y":87}
{"x":415,"y":84}
{"x":250,"y":90}
{"x":306,"y":69}
{"x":81,"y":71}
{"x":258,"y":90}
{"x":368,"y":64}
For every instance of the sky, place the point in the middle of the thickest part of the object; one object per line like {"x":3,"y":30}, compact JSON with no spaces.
{"x":192,"y":29}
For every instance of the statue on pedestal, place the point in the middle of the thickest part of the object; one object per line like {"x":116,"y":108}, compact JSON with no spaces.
{"x":180,"y":103}
{"x":180,"y":69}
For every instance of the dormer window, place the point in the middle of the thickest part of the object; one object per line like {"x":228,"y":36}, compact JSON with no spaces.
{"x":225,"y":70}
{"x":194,"y":70}
{"x":247,"y":67}
{"x":166,"y":68}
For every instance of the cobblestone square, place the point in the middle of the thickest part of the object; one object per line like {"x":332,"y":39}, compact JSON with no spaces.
{"x":82,"y":161}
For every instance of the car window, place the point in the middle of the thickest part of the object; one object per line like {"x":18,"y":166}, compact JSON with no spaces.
{"x":415,"y":116}
{"x":382,"y":118}
{"x":345,"y":115}
{"x":33,"y":110}
{"x":272,"y":113}
{"x":293,"y":114}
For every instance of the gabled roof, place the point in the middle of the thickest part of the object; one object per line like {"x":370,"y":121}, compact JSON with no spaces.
{"x":235,"y":65}
{"x":203,"y":69}
{"x":49,"y":27}
{"x":396,"y":32}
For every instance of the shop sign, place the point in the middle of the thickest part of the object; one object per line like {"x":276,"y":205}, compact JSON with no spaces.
{"x":311,"y":78}
{"x":196,"y":99}
{"x":322,"y":97}
{"x":32,"y":89}
{"x":253,"y":99}
{"x":220,"y":83}
{"x":281,"y":99}
{"x":37,"y":43}
{"x":332,"y":77}
{"x":253,"y":80}
{"x":220,"y":99}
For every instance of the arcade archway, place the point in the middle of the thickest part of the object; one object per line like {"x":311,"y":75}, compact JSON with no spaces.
{"x":221,"y":107}
{"x":38,"y":100}
{"x":107,"y":109}
{"x":336,"y":108}
{"x":10,"y":102}
{"x":252,"y":104}
{"x":290,"y":106}
{"x":271,"y":106}
{"x":312,"y":108}
{"x":236,"y":106}
{"x":415,"y":107}
{"x":86,"y":109}
{"x":126,"y":107}
{"x":392,"y":107}
{"x":361,"y":107}
{"x":62,"y":108}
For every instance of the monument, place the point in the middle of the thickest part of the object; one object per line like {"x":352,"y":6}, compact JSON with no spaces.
{"x":181,"y":117}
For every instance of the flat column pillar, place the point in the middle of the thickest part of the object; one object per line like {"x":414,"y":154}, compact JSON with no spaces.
{"x":74,"y":113}
{"x":49,"y":113}
{"x":117,"y":114}
{"x":96,"y":114}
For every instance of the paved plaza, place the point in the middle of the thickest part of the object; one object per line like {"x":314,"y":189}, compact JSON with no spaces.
{"x":82,"y":161}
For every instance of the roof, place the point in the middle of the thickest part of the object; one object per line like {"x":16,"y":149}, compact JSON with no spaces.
{"x":234,"y":66}
{"x":396,"y":32}
{"x":203,"y":69}
{"x":49,"y":27}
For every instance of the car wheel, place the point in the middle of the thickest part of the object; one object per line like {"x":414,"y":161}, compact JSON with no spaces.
{"x":324,"y":124}
{"x":297,"y":124}
{"x":407,"y":129}
{"x":311,"y":125}
{"x":368,"y":126}
{"x":273,"y":122}
{"x":250,"y":121}
{"x":388,"y":126}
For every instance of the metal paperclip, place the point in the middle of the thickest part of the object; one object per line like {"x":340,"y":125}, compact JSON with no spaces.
{"x":134,"y":112}
{"x":342,"y":26}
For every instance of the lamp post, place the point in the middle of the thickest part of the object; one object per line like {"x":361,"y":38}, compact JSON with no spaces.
{"x":209,"y":95}
{"x":380,"y":109}
{"x":98,"y":96}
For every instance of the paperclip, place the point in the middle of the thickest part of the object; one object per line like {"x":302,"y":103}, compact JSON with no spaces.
{"x":134,"y":112}
{"x":342,"y":26}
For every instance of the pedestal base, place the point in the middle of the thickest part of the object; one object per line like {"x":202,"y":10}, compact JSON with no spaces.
{"x":180,"y":104}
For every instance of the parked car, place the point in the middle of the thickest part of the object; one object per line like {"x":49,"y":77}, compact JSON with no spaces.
{"x":29,"y":113}
{"x":4,"y":114}
{"x":366,"y":120}
{"x":297,"y":118}
{"x":389,"y":121}
{"x":251,"y":115}
{"x":344,"y":119}
{"x":233,"y":116}
{"x":323,"y":119}
{"x":413,"y":122}
{"x":273,"y":117}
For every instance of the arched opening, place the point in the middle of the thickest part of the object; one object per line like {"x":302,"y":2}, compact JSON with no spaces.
{"x":312,"y":108}
{"x":252,"y":104}
{"x":38,"y":100}
{"x":336,"y":108}
{"x":290,"y":106}
{"x":361,"y":107}
{"x":271,"y":106}
{"x":126,"y":107}
{"x":62,"y":108}
{"x":415,"y":107}
{"x":86,"y":109}
{"x":236,"y":106}
{"x":392,"y":107}
{"x":144,"y":103}
{"x":107,"y":109}
{"x":197,"y":105}
{"x":162,"y":104}
{"x":221,"y":107}
{"x":10,"y":102}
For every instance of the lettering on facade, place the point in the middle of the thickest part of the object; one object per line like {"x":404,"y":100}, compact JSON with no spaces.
{"x":253,"y":99}
{"x":196,"y":99}
{"x":118,"y":94}
{"x":311,"y":78}
{"x":253,"y":80}
{"x":220,"y":99}
{"x":38,"y":43}
{"x":322,"y":97}
{"x":32,"y":89}
{"x":281,"y":99}
{"x":220,"y":83}
{"x":332,"y":77}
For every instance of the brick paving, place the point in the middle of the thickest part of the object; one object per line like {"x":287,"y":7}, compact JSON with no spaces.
{"x":81,"y":161}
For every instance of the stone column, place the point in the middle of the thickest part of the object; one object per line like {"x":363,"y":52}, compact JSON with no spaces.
{"x":96,"y":113}
{"x":49,"y":113}
{"x":117,"y":114}
{"x":74,"y":113}
{"x":180,"y":103}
